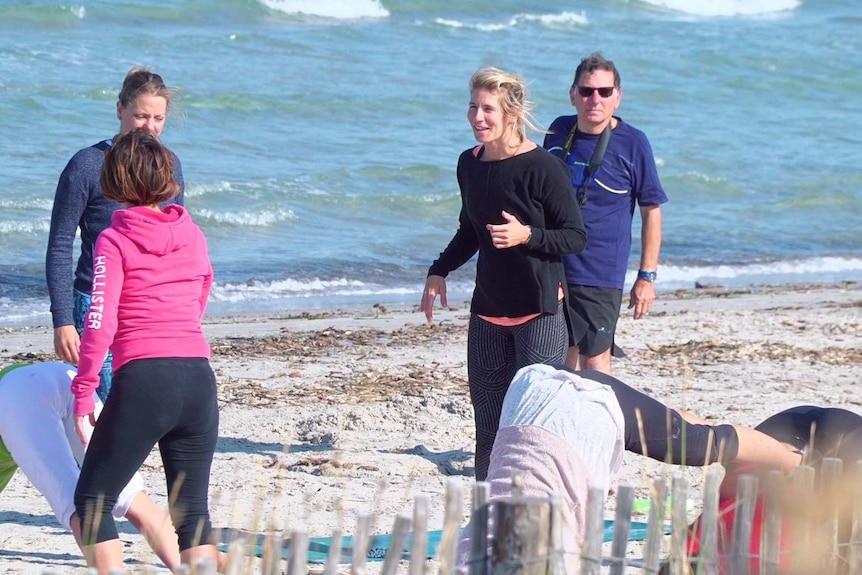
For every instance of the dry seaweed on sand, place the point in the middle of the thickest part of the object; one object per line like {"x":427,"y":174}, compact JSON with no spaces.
{"x":353,"y":387}
{"x":326,"y":341}
{"x":712,"y":352}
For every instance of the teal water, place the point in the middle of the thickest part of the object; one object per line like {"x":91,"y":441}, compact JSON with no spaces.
{"x":319,"y":139}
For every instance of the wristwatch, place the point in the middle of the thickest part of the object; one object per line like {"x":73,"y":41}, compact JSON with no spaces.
{"x":648,"y":275}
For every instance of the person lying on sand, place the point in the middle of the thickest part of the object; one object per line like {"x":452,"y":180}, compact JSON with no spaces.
{"x":562,"y":434}
{"x":564,"y":431}
{"x":818,"y":432}
{"x":37,"y":434}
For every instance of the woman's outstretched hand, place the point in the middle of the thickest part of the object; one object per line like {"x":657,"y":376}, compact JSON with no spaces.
{"x":434,"y":286}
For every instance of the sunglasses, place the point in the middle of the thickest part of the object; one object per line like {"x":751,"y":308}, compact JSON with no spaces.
{"x":586,"y":91}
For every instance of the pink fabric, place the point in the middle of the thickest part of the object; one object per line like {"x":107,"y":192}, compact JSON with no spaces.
{"x":151,"y":281}
{"x":548,"y":465}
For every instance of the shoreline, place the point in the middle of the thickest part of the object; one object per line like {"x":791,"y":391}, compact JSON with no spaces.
{"x":327,"y":415}
{"x":360,"y":311}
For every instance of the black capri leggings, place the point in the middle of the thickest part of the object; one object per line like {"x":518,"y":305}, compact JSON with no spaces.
{"x":667,"y":436}
{"x":171,"y":401}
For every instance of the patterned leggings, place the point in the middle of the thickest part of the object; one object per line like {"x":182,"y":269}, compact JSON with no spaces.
{"x":494,"y":354}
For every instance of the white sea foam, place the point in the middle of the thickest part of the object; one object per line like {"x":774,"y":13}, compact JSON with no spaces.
{"x":24,"y":311}
{"x":29,"y":203}
{"x":265,"y":290}
{"x":813,"y":270}
{"x":727,"y":7}
{"x":339,"y":9}
{"x":563,"y":19}
{"x":195,"y":189}
{"x":253,"y":219}
{"x":701,"y":177}
{"x":25,"y":227}
{"x":343,"y":288}
{"x":78,"y":11}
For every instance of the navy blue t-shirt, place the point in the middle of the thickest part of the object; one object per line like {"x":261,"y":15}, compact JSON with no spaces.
{"x":627,"y":177}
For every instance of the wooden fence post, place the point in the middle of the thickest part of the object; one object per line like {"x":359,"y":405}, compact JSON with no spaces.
{"x":830,"y":475}
{"x":591,"y":551}
{"x":235,"y":557}
{"x":707,"y":560}
{"x":479,"y":526}
{"x":558,"y":550}
{"x":297,"y":557}
{"x":333,"y":556}
{"x":272,"y":545}
{"x":679,"y":525}
{"x":622,"y":528}
{"x":358,"y":560}
{"x":774,"y":497}
{"x":419,"y":545}
{"x":451,"y":525}
{"x":206,"y":567}
{"x":802,"y":491}
{"x":855,"y":551}
{"x":523,"y":536}
{"x":743,"y":519}
{"x":397,"y":545}
{"x":655,"y":527}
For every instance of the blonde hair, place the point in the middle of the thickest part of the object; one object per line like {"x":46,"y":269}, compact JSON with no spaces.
{"x":513,"y":97}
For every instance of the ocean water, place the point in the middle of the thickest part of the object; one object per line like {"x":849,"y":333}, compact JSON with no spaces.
{"x":319,"y":138}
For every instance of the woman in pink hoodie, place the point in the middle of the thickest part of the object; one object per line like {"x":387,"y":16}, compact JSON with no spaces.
{"x":151,"y":280}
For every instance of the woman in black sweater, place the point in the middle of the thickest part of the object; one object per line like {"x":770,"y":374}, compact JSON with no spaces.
{"x":518,"y":213}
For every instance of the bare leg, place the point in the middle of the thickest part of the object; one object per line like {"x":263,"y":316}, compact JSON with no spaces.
{"x":192,"y":555}
{"x":572,"y":357}
{"x":757,"y":447}
{"x":754,"y":446}
{"x":601,"y":362}
{"x":105,"y":556}
{"x":155,"y":525}
{"x":75,"y":523}
{"x":691,"y":418}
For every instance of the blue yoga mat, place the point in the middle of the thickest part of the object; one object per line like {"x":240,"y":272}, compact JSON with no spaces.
{"x":318,"y":547}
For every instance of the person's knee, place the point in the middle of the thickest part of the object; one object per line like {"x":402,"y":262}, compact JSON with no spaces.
{"x":193,"y":530}
{"x":95,"y":512}
{"x":703,"y":444}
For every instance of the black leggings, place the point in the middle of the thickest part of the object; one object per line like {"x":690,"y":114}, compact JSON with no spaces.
{"x":667,"y":436}
{"x":171,"y":401}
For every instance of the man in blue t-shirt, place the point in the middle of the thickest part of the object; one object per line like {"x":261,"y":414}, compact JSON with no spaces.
{"x":612,"y":168}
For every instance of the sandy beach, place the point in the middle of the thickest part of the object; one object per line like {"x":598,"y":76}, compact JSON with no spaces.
{"x":324,"y":416}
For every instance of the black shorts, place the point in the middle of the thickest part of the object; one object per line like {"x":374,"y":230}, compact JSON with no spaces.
{"x":600,"y":307}
{"x":836,"y":432}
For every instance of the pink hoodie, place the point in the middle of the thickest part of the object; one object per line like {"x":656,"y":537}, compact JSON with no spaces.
{"x":151,"y":280}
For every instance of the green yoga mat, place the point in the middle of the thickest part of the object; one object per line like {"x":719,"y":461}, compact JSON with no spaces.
{"x":318,"y":547}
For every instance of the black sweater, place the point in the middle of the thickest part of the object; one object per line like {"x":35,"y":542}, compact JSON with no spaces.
{"x":534,"y":187}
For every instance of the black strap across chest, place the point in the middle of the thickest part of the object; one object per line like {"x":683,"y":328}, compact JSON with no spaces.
{"x":598,"y":152}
